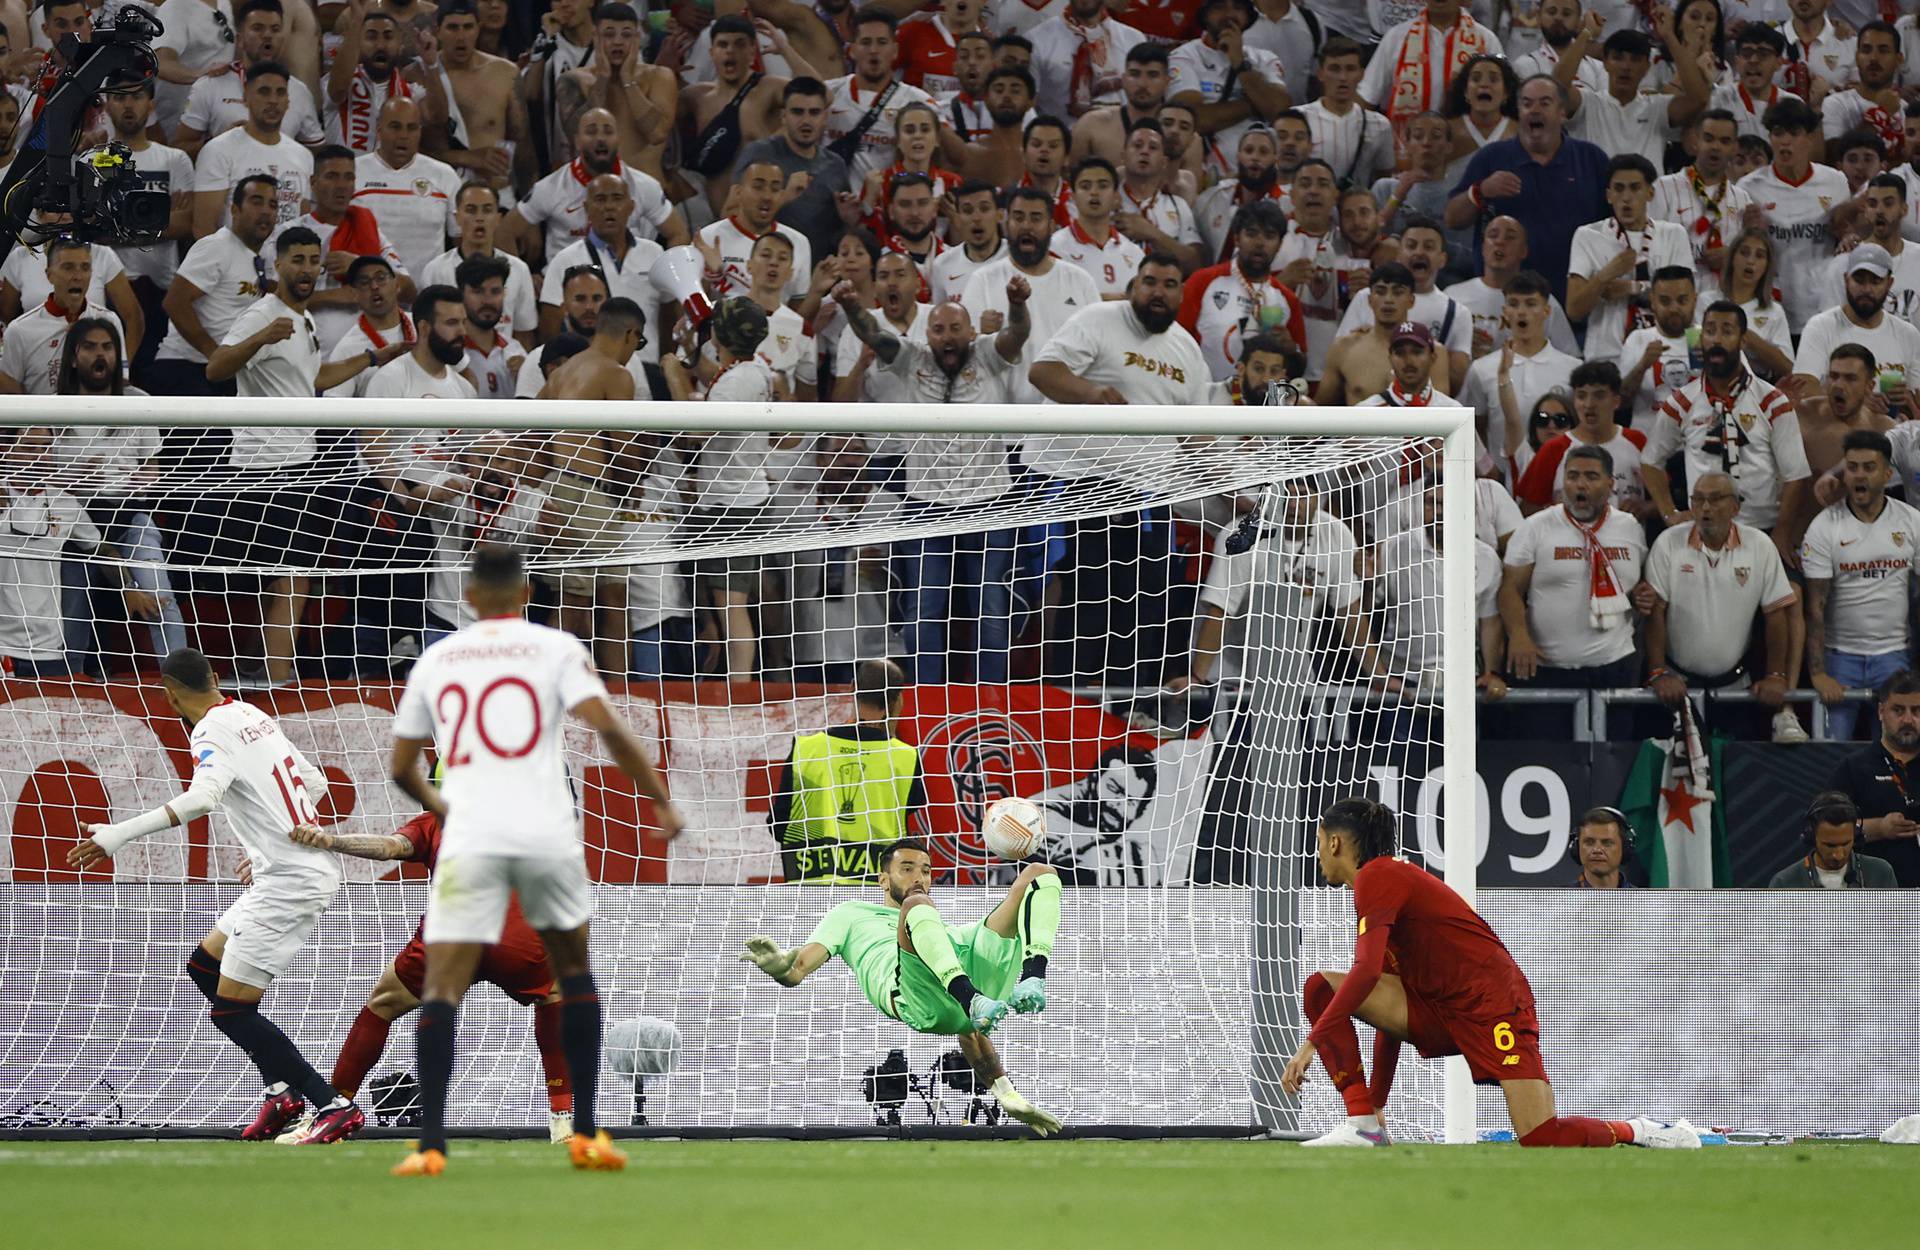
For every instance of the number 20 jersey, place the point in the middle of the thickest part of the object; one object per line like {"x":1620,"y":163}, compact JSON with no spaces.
{"x":494,"y":699}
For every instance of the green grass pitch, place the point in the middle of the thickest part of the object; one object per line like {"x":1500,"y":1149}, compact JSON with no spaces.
{"x":849,"y":1195}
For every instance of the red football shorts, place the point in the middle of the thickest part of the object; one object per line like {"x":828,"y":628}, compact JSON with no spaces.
{"x":1497,"y":1048}
{"x":517,"y":963}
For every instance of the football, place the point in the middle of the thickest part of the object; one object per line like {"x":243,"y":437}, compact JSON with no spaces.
{"x":1013,"y":827}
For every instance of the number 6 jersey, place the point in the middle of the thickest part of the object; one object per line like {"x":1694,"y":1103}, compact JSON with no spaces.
{"x":494,"y":700}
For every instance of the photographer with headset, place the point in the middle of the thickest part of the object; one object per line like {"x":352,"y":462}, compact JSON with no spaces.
{"x":1829,"y":832}
{"x":1602,"y":849}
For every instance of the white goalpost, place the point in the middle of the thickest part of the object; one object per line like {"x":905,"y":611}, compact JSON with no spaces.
{"x":1192,"y":631}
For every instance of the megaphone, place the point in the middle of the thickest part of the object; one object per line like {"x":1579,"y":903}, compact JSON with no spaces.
{"x":676,"y":275}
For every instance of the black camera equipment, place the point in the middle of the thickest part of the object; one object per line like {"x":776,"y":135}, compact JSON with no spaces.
{"x":395,"y":1100}
{"x":100,"y":192}
{"x":886,"y":1085}
{"x":953,"y":1070}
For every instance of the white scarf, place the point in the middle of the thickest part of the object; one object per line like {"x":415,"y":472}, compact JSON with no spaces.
{"x":358,"y":114}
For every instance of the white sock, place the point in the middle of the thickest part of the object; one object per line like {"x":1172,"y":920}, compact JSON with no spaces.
{"x":276,"y":1089}
{"x":1365,"y":1123}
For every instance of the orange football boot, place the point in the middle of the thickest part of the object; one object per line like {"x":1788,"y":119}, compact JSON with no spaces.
{"x":596,"y":1153}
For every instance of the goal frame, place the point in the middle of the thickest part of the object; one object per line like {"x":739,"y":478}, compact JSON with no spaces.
{"x":1452,"y":424}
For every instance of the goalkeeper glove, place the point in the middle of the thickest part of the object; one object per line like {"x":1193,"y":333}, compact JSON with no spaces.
{"x":986,"y":1013}
{"x":770,"y":959}
{"x":1014,"y":1104}
{"x":1029,"y":996}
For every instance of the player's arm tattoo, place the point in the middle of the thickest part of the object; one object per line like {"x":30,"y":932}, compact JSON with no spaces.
{"x":869,"y":331}
{"x":980,"y":1053}
{"x":1013,"y":336}
{"x":569,"y":101}
{"x":1818,"y":589}
{"x":381,"y":846}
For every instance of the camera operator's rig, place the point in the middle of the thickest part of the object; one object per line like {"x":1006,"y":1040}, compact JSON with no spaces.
{"x":99,"y":191}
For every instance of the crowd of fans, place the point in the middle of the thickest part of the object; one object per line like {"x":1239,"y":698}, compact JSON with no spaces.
{"x":1663,"y":253}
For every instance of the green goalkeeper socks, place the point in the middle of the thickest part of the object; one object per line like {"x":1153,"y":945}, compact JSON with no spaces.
{"x":1039,"y":922}
{"x":935,"y":948}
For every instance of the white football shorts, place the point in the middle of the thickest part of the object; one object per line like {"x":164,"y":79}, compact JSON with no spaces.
{"x":269,"y":923}
{"x":470,"y":893}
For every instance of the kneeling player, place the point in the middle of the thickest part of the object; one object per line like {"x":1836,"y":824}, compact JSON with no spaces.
{"x":1455,"y":991}
{"x":517,"y":963}
{"x":914,"y":968}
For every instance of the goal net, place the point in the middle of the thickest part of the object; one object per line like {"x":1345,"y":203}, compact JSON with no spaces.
{"x":1181,"y":632}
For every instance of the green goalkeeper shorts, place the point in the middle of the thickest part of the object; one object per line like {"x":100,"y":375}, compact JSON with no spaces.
{"x":921,"y":1003}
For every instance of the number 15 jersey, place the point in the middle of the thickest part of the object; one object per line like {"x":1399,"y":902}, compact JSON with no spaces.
{"x":264,"y":786}
{"x":494,"y":700}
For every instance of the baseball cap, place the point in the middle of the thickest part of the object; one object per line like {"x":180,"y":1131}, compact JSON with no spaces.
{"x":1871,"y":257}
{"x":364,"y":262}
{"x":1412,"y":332}
{"x":740,"y":325}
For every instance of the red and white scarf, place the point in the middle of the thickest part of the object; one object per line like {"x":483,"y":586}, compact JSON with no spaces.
{"x":1706,"y":228}
{"x":583,"y":175}
{"x":1889,"y":123}
{"x":1398,"y":398}
{"x":378,"y":339}
{"x":1757,"y":108}
{"x":1093,"y":74}
{"x":486,"y":512}
{"x":1607,"y":603}
{"x":1414,"y":90}
{"x":359,"y":113}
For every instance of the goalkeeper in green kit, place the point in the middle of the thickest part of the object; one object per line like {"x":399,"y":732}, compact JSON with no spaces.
{"x":935,"y":978}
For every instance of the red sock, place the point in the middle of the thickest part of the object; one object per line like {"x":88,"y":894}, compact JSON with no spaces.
{"x":362,"y":1049}
{"x":553,"y":1059}
{"x":1386,"y":1059}
{"x":1573,"y":1130}
{"x":1340,"y":1050}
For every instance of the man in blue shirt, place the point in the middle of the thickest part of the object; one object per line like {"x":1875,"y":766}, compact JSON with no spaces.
{"x":1548,"y":182}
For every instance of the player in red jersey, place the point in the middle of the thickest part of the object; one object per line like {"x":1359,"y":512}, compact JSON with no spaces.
{"x":517,"y":963}
{"x":1428,"y":970}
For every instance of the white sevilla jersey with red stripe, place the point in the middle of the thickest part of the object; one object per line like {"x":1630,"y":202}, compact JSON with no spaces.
{"x":413,"y":204}
{"x":1756,"y":442}
{"x":1222,"y":310}
{"x":1111,"y":264}
{"x":263,"y":792}
{"x":494,"y":700}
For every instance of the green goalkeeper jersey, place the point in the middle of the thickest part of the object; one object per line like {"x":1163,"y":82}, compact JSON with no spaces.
{"x":866,"y":936}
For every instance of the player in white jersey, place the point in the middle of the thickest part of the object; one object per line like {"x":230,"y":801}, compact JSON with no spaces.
{"x":493,"y":701}
{"x":244,"y":765}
